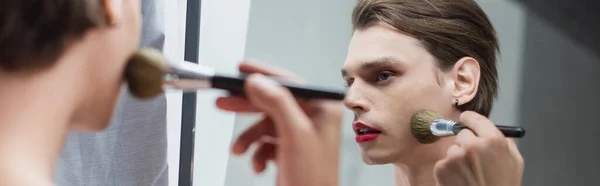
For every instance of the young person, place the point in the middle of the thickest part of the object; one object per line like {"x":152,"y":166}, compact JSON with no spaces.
{"x":404,"y":56}
{"x":61,"y":66}
{"x":133,"y":149}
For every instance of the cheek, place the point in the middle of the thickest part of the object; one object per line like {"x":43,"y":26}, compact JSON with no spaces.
{"x":424,"y":92}
{"x":107,"y":105}
{"x":393,"y":106}
{"x":107,"y":91}
{"x":98,"y":113}
{"x":407,"y":97}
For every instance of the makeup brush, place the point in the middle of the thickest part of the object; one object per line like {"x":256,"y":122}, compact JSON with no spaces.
{"x":147,"y":72}
{"x":144,"y":73}
{"x":429,"y":126}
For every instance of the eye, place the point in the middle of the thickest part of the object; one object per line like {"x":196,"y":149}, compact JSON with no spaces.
{"x":349,"y":82}
{"x":382,"y":76}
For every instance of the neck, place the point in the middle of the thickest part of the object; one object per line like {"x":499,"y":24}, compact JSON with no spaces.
{"x":36,"y":112}
{"x":418,"y":171}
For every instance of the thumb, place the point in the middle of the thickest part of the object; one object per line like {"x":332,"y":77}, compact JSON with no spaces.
{"x":279,"y":104}
{"x":514,"y":149}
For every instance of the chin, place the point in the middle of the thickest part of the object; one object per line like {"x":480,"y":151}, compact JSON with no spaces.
{"x":93,"y":119}
{"x":101,"y":122}
{"x":90,"y":125}
{"x":99,"y":126}
{"x":379,"y":156}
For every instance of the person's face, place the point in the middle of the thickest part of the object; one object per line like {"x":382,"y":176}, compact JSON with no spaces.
{"x":390,"y":77}
{"x":114,"y":45}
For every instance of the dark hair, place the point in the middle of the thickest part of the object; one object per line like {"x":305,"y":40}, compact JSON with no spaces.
{"x":35,"y":33}
{"x":448,"y":29}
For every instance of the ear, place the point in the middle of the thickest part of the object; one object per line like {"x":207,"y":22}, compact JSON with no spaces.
{"x":114,"y":11}
{"x":466,"y":73}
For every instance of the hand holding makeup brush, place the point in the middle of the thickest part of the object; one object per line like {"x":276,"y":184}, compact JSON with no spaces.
{"x":305,"y":134}
{"x":481,"y":156}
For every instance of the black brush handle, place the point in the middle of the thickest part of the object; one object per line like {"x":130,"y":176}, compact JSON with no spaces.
{"x":508,"y":131}
{"x":235,"y":85}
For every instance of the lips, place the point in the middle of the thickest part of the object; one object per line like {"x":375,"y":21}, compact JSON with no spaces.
{"x":365,"y":133}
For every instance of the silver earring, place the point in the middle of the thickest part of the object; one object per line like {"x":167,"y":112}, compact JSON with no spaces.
{"x":456,"y":102}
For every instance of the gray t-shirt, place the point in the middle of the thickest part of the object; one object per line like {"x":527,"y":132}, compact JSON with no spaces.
{"x":133,"y":149}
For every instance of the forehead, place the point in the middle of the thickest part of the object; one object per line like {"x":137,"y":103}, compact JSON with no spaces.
{"x":382,"y":41}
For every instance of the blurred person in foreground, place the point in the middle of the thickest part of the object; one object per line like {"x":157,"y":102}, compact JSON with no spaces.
{"x":61,"y":70}
{"x":133,"y":149}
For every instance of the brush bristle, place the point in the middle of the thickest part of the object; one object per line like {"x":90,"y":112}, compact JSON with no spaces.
{"x":145,"y":73}
{"x":420,"y":123}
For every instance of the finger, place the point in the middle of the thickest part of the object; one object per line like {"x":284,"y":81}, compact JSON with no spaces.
{"x":255,"y":67}
{"x":279,"y":180}
{"x":263,"y":154}
{"x":235,"y":104}
{"x":455,"y":152}
{"x":277,"y":102}
{"x":453,"y":170}
{"x":465,"y":137}
{"x":253,"y":134}
{"x":242,"y":104}
{"x":269,"y":139}
{"x":442,"y":173}
{"x":480,"y":125}
{"x":514,"y":149}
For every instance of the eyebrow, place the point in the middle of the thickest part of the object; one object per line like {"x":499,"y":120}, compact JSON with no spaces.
{"x":377,"y":63}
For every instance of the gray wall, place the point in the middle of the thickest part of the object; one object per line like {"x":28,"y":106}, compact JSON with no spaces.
{"x":536,"y":59}
{"x":559,"y":103}
{"x":576,"y":19}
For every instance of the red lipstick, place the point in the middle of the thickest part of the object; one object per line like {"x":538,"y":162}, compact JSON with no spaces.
{"x":364,"y":133}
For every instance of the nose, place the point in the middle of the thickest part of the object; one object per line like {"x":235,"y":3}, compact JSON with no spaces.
{"x":356,"y":100}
